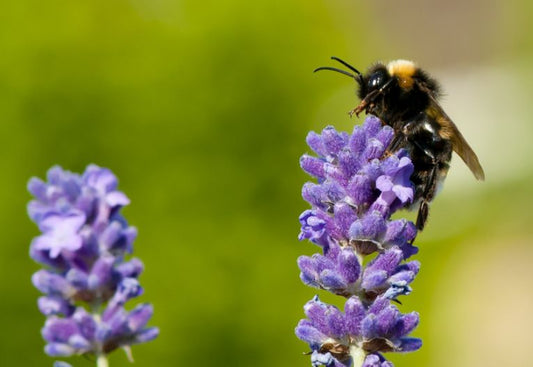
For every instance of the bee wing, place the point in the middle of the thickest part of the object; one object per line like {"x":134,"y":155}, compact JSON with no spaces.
{"x":451,"y":132}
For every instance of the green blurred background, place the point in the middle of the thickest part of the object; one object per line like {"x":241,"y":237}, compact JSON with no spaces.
{"x":201,"y":108}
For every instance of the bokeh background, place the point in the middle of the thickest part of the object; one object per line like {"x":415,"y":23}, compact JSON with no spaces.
{"x":202,"y":107}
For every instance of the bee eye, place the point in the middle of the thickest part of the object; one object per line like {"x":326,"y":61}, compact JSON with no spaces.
{"x":376,"y":80}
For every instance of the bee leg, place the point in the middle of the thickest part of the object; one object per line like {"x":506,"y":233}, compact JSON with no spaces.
{"x":366,"y":103}
{"x":396,"y":143}
{"x":363,"y":106}
{"x":427,"y":196}
{"x":422,"y":217}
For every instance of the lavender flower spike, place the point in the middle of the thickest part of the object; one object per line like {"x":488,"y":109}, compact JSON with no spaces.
{"x":86,"y":279}
{"x":359,"y":186}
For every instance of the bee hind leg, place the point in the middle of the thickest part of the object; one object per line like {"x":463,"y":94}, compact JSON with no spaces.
{"x":422,"y":216}
{"x":427,"y":195}
{"x":397,"y":142}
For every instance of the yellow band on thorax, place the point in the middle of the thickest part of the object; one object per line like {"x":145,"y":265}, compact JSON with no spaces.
{"x":403,"y":70}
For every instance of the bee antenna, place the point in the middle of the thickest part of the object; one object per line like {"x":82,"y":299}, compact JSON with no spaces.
{"x":334,"y":69}
{"x":358,"y":78}
{"x":346,"y":64}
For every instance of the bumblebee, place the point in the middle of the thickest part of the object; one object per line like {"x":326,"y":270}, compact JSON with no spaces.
{"x":405,"y":97}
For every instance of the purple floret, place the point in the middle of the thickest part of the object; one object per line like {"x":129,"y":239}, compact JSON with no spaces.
{"x":358,"y":189}
{"x":82,"y":247}
{"x":359,"y":185}
{"x":373,"y":330}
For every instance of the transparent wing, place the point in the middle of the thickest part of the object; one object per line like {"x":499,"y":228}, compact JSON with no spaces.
{"x":451,"y":132}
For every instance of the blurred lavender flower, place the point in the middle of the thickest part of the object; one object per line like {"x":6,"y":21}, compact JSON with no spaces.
{"x":360,"y":186}
{"x":83,"y":246}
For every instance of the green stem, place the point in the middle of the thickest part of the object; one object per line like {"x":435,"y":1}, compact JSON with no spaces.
{"x":358,"y":355}
{"x":101,"y":357}
{"x":101,"y":361}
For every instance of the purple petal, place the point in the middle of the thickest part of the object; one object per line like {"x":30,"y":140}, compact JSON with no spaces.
{"x":52,"y":284}
{"x":385,"y":135}
{"x":77,"y":278}
{"x":333,"y":140}
{"x":384,"y":322}
{"x":313,"y":166}
{"x":324,"y":359}
{"x":43,"y":257}
{"x":357,"y":141}
{"x":406,"y":324}
{"x":370,"y":227}
{"x":387,"y":261}
{"x":315,"y":142}
{"x":410,"y":344}
{"x":61,"y":364}
{"x":373,"y":279}
{"x":117,"y":323}
{"x":314,"y":194}
{"x":139,"y":316}
{"x":349,"y":267}
{"x":360,"y":189}
{"x":60,"y":233}
{"x":127,"y":289}
{"x":372,"y":125}
{"x":111,"y":234}
{"x":335,"y":322}
{"x":103,"y":332}
{"x":397,"y":289}
{"x":59,"y":330}
{"x":117,"y":198}
{"x":54,"y":305}
{"x":312,"y":224}
{"x":146,"y":335}
{"x":330,"y":279}
{"x":384,"y":183}
{"x":354,"y":313}
{"x":399,"y":232}
{"x":334,"y":191}
{"x":405,"y":276}
{"x":101,"y":273}
{"x":344,"y":215}
{"x":37,"y":188}
{"x":315,"y":310}
{"x":374,"y":149}
{"x":59,"y":350}
{"x":348,"y":162}
{"x":102,"y":179}
{"x":323,"y":263}
{"x":372,"y":360}
{"x":405,"y":194}
{"x":372,"y":169}
{"x":79,"y":342}
{"x":130,"y":269}
{"x":308,"y":333}
{"x":86,"y":324}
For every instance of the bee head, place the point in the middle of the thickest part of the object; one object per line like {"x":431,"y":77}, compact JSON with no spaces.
{"x":381,"y":77}
{"x":378,"y":77}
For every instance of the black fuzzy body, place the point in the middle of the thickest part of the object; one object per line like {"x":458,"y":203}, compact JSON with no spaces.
{"x":405,"y":97}
{"x":417,"y":129}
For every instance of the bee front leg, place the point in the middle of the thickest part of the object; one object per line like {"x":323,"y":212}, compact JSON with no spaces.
{"x":367,"y":104}
{"x":363,"y":106}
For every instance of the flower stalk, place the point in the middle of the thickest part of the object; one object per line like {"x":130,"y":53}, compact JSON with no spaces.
{"x":359,"y":186}
{"x":101,"y":360}
{"x":87,"y":277}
